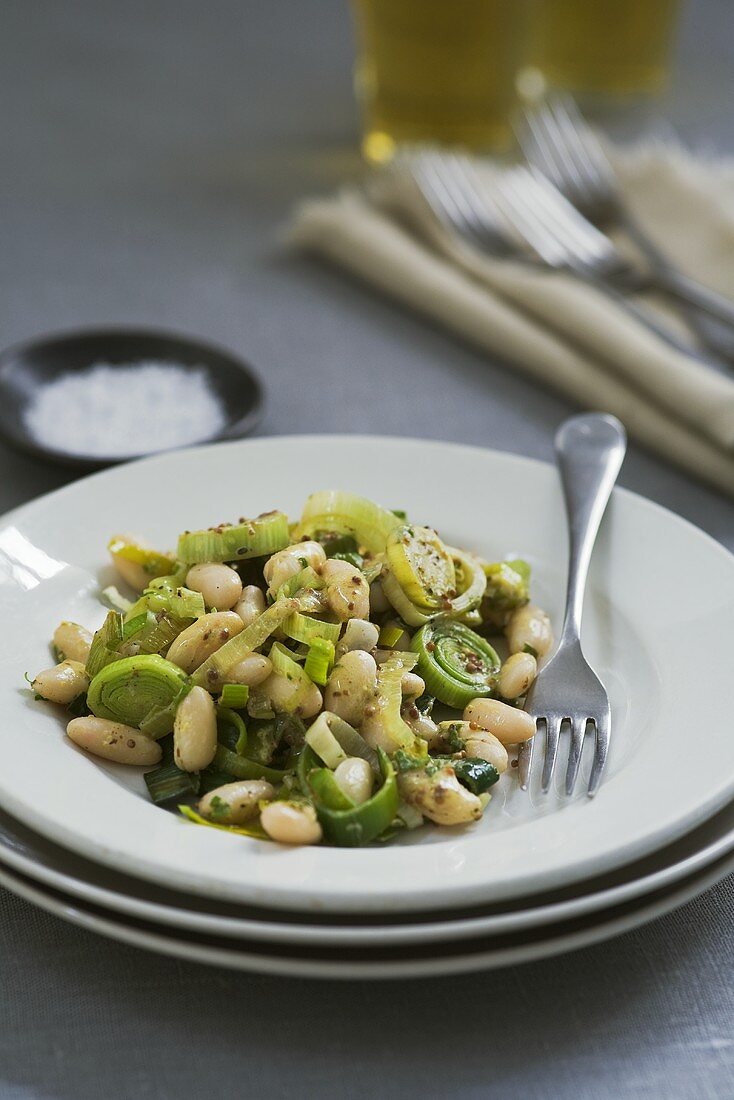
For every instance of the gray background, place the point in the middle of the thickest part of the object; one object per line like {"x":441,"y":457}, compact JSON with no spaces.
{"x":149,"y":155}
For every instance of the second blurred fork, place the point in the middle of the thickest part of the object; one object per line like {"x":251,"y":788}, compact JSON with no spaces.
{"x":556,"y":140}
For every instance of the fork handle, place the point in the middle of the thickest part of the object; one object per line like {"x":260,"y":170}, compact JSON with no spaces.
{"x":589,"y":450}
{"x":703,"y":303}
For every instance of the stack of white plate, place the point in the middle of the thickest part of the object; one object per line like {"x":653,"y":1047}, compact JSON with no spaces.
{"x":539,"y":875}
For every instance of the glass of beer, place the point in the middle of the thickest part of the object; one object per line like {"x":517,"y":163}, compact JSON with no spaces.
{"x":440,"y":71}
{"x":607,"y":48}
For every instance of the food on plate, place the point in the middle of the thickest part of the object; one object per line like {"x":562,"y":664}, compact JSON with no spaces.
{"x":329,"y":681}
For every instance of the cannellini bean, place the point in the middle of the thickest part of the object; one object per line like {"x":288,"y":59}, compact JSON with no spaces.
{"x":235,"y":803}
{"x":286,"y":563}
{"x":422,"y":724}
{"x":379,"y":602}
{"x":252,"y":604}
{"x":280,"y":692}
{"x":508,"y":724}
{"x":113,"y":741}
{"x":485,"y":746}
{"x":440,"y":797}
{"x":62,"y":683}
{"x":354,"y":779}
{"x":347,"y":592}
{"x":220,"y":586}
{"x":517,"y":674}
{"x":132,"y":572}
{"x":251,"y":670}
{"x":73,"y":641}
{"x":291,"y":823}
{"x":352,"y":683}
{"x":195,"y":731}
{"x":358,"y":634}
{"x":412,"y":685}
{"x":205,"y":636}
{"x":529,"y":626}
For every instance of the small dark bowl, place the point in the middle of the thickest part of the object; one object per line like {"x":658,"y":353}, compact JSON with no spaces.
{"x":26,"y":367}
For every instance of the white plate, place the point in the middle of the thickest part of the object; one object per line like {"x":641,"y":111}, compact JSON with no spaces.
{"x":660,"y":602}
{"x":424,"y":961}
{"x":37,"y":858}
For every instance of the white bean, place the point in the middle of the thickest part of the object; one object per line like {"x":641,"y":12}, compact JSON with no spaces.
{"x":73,"y":641}
{"x":354,"y":778}
{"x":529,"y":626}
{"x":347,"y":592}
{"x":286,"y":563}
{"x":281,"y":693}
{"x":291,"y":823}
{"x":251,"y":670}
{"x":235,"y":803}
{"x":195,"y":731}
{"x":252,"y":604}
{"x":412,"y":685}
{"x":205,"y":636}
{"x":517,"y":674}
{"x":62,"y":683}
{"x":220,"y":586}
{"x":358,"y":634}
{"x":113,"y":741}
{"x":379,"y":602}
{"x":352,"y":683}
{"x":485,"y":746}
{"x":508,"y":724}
{"x":440,"y":797}
{"x":422,"y":724}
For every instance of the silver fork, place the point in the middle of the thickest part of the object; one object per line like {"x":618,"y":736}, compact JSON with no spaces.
{"x":556,"y":139}
{"x":589,"y":451}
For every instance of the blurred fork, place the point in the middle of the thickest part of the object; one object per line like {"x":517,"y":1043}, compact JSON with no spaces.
{"x":590,"y":449}
{"x":556,"y":140}
{"x":524,"y":215}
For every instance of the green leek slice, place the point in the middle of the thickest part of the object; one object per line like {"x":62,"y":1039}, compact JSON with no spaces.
{"x":213,"y":672}
{"x":152,"y":562}
{"x":350,"y":826}
{"x":252,"y":538}
{"x":303,"y":628}
{"x":284,"y":664}
{"x":386,"y":726}
{"x":346,"y":514}
{"x":456,"y":664}
{"x":422,"y":566}
{"x":255,"y":830}
{"x":127,"y":690}
{"x":319,"y":661}
{"x":106,"y":643}
{"x":235,"y":766}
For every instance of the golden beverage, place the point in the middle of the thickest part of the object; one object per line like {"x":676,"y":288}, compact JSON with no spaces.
{"x":438,"y":71}
{"x":611,"y":47}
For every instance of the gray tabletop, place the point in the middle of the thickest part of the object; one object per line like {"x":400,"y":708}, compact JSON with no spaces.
{"x":150,"y":153}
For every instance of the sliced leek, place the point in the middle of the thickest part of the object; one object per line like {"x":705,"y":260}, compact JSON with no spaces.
{"x":213,"y":672}
{"x":346,"y":514}
{"x":456,"y":664}
{"x":304,"y":628}
{"x":422,"y":566}
{"x":127,"y":690}
{"x":152,"y":563}
{"x":251,"y":538}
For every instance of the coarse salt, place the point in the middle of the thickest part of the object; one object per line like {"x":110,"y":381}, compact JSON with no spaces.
{"x":127,"y":409}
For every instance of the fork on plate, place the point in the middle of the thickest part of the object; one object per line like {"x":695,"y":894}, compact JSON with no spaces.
{"x":590,"y":449}
{"x":556,"y":139}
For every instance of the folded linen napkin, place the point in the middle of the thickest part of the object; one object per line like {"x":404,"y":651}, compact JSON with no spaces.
{"x":550,"y":325}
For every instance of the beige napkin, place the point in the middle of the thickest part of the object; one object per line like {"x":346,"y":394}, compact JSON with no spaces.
{"x":552,"y":326}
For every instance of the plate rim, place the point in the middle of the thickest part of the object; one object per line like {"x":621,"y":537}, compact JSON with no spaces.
{"x":177,"y":946}
{"x":447,"y":929}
